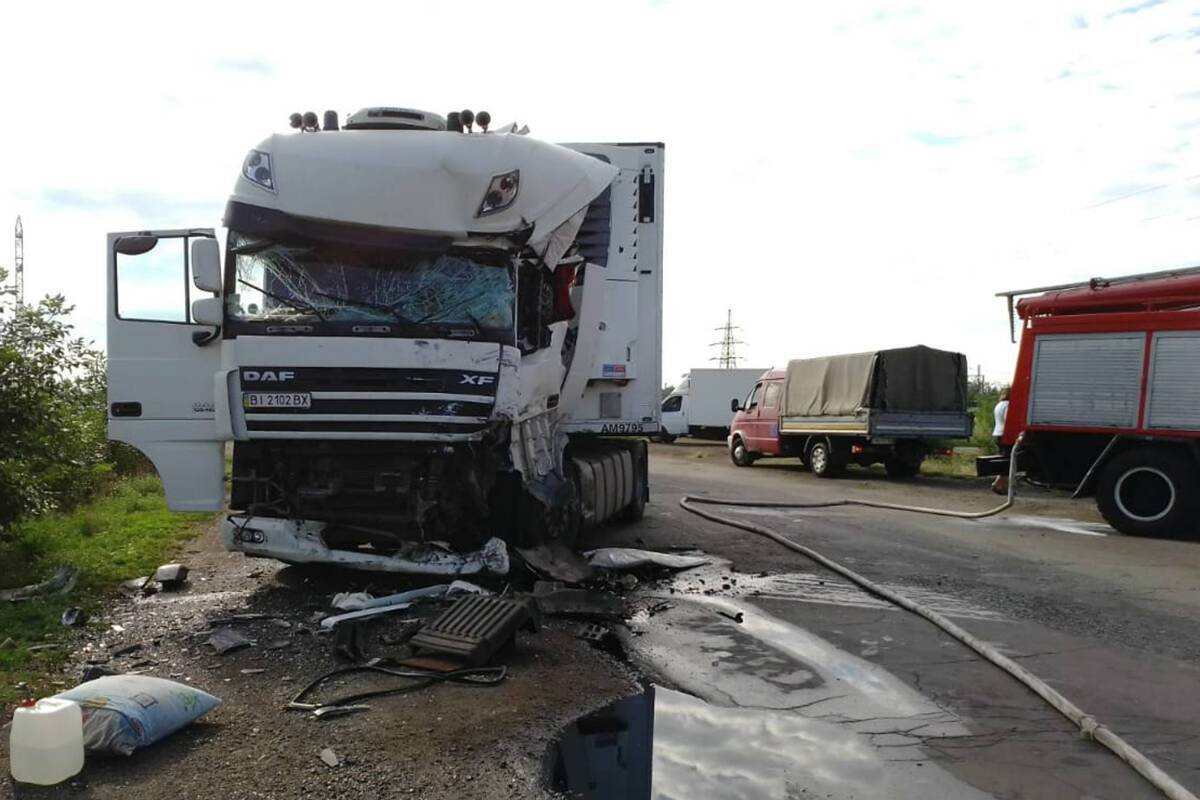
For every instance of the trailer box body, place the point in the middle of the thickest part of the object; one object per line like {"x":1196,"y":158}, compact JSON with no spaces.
{"x":699,"y":405}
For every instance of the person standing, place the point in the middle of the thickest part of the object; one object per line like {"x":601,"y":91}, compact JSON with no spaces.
{"x":1000,"y":414}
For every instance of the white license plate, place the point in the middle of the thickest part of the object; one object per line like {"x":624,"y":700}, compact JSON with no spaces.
{"x":276,"y":400}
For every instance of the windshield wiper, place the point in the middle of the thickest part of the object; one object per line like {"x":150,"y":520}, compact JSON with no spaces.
{"x":403,"y":320}
{"x":295,"y":304}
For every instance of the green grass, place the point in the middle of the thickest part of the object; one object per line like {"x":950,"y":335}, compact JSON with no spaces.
{"x":959,"y":465}
{"x":123,"y":534}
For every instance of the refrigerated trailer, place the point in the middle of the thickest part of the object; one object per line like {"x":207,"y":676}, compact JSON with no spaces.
{"x":699,"y":405}
{"x":424,"y":341}
{"x":1107,"y":396}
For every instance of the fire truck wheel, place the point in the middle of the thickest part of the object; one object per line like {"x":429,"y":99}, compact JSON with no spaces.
{"x":821,"y":461}
{"x":739,"y":454}
{"x":1150,"y":491}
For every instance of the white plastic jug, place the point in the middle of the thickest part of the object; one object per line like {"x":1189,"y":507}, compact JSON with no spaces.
{"x":46,"y":743}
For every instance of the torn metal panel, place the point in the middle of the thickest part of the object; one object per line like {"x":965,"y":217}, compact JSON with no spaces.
{"x":561,"y":239}
{"x":300,"y":542}
{"x":537,"y":446}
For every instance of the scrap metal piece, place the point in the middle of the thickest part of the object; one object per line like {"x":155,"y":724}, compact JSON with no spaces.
{"x":593,"y":633}
{"x":555,"y":599}
{"x":630,"y":558}
{"x":61,"y":582}
{"x":225,"y":640}
{"x":556,"y":560}
{"x":337,"y":711}
{"x":74,"y":616}
{"x":171,"y":576}
{"x":475,"y":628}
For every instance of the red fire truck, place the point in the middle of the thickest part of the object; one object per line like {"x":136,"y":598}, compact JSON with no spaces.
{"x":1107,"y":395}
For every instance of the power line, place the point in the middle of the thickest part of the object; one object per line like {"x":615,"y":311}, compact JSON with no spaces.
{"x":17,"y":287}
{"x":728,"y":358}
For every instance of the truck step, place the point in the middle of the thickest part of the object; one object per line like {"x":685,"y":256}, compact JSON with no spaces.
{"x":475,"y":628}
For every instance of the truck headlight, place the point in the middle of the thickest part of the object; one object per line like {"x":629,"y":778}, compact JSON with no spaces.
{"x":500,"y":194}
{"x":257,"y":169}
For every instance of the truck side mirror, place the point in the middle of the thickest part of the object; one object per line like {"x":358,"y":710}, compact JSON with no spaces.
{"x":734,"y":405}
{"x":207,"y":310}
{"x":206,"y":267}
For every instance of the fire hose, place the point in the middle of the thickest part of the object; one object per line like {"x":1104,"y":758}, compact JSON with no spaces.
{"x":1088,"y":726}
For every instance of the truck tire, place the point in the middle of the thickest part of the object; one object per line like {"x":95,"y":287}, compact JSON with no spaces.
{"x":821,"y":461}
{"x":738,"y":453}
{"x":899,"y":468}
{"x":1150,"y":491}
{"x":636,"y":510}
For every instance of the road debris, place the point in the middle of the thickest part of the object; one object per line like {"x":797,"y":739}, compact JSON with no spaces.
{"x":253,"y":671}
{"x":122,"y":713}
{"x":475,"y":628}
{"x":225,"y":640}
{"x":144,"y":585}
{"x":622,"y":558}
{"x":236,"y":618}
{"x":593,"y":633}
{"x":557,"y":561}
{"x":338,"y":711}
{"x":62,"y":581}
{"x":350,"y":643}
{"x":735,"y":617}
{"x":74,"y":616}
{"x":94,"y":671}
{"x":171,"y":576}
{"x":408,"y":629}
{"x":330,"y":758}
{"x":361,"y":604}
{"x":554,"y":599}
{"x":125,"y":650}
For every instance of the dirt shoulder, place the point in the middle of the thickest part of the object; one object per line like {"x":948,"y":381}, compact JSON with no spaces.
{"x":443,"y":741}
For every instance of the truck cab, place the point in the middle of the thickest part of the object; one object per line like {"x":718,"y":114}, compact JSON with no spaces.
{"x":413,"y":332}
{"x":754,"y":430}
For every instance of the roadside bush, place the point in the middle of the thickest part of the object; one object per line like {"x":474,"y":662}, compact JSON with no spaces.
{"x":53,"y":448}
{"x":982,"y":401}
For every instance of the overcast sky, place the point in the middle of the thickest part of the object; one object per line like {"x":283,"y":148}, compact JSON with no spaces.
{"x":844,"y":176}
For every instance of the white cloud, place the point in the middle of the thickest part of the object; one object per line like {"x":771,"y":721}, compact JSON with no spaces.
{"x":843,"y":179}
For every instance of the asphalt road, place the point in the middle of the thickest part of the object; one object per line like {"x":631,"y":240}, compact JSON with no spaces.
{"x":1108,"y":620}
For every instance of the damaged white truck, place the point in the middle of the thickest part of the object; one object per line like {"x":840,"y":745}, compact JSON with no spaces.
{"x":427,"y":343}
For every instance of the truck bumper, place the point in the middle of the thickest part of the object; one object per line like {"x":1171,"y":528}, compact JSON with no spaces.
{"x":301,"y":542}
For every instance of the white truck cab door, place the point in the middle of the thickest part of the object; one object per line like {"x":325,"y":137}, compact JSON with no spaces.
{"x":161,"y":365}
{"x":674,"y":415}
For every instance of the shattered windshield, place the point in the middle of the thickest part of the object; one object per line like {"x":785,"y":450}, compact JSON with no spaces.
{"x":324,"y":282}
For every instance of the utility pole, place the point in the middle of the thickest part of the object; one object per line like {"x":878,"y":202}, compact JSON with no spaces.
{"x":728,"y":358}
{"x":17,"y":287}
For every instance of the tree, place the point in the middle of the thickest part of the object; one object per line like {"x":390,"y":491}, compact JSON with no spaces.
{"x":52,"y":410}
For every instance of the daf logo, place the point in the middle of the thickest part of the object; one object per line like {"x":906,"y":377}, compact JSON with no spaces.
{"x":253,"y":375}
{"x":478,"y":380}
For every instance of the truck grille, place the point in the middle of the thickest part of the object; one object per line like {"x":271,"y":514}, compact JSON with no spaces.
{"x":379,"y":400}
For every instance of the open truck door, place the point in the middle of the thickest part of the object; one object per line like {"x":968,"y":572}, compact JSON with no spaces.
{"x":164,"y":317}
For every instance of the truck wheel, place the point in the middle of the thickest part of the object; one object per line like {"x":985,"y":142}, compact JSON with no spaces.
{"x":899,"y":468}
{"x":739,"y":454}
{"x":637,"y":507}
{"x":820,"y":461}
{"x":1150,"y":492}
